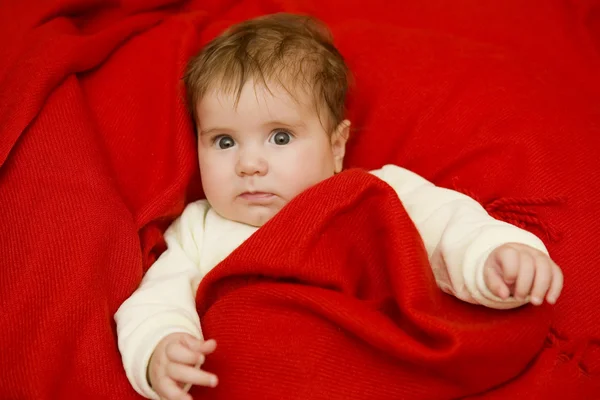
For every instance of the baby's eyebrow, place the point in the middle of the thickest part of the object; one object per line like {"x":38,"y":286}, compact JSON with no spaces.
{"x":289,"y":124}
{"x":216,"y":129}
{"x":269,"y":124}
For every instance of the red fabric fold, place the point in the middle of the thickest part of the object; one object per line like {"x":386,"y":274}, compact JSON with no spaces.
{"x":335,"y":299}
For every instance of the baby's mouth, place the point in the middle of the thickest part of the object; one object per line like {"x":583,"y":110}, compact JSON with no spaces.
{"x":257,"y":197}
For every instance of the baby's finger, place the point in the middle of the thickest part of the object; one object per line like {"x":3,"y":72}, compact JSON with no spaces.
{"x":494,"y":282}
{"x":179,"y":353}
{"x":543,"y":276}
{"x":525,"y":277}
{"x":208,"y":346}
{"x":508,"y":262}
{"x":186,"y":374}
{"x":192,"y":342}
{"x":170,"y":390}
{"x":556,"y":285}
{"x":198,"y":345}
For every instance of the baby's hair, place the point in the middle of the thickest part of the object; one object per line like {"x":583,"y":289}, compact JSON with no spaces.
{"x":294,"y":51}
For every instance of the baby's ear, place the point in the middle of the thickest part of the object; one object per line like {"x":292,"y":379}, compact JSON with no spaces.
{"x":338,"y":144}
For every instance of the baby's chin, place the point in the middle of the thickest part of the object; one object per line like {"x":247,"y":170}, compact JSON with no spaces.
{"x":256,"y":218}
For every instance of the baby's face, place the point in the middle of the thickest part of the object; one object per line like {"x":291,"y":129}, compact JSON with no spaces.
{"x":256,"y":157}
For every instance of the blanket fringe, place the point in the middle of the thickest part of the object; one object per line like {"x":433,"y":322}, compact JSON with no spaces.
{"x":519,"y":211}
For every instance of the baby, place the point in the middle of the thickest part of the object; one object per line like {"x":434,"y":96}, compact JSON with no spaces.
{"x":268,"y":98}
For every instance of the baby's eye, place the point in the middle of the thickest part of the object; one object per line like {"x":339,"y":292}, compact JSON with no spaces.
{"x":280,"y":137}
{"x":224,"y":142}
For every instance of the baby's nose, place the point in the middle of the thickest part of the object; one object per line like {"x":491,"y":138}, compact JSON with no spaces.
{"x":251,"y":164}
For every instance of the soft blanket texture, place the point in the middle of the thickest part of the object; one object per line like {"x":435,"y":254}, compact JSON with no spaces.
{"x":335,"y":298}
{"x":498,"y":99}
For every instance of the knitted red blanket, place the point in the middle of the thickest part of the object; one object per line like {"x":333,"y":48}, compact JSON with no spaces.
{"x":334,"y":299}
{"x":499,"y":99}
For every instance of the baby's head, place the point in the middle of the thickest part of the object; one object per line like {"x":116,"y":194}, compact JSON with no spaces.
{"x":268,"y":100}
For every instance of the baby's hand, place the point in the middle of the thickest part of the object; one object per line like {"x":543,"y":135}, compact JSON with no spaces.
{"x":174,"y":364}
{"x":520,"y":270}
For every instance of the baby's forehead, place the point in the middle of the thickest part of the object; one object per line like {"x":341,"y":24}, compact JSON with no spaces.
{"x":271,"y":95}
{"x":287,"y":91}
{"x":271,"y":98}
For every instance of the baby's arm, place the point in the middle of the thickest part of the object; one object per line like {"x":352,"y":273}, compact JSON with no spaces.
{"x":459,"y":236}
{"x":164,"y":303}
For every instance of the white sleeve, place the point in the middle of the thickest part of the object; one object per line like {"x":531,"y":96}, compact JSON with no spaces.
{"x":165,"y":301}
{"x":458,"y":235}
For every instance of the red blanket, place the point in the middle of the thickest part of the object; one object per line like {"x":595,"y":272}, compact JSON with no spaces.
{"x":335,"y":299}
{"x":497,"y":99}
